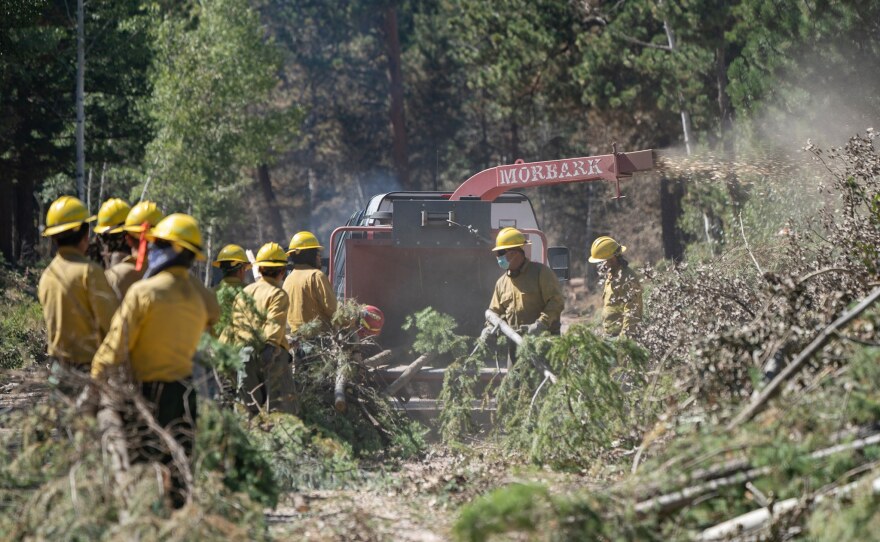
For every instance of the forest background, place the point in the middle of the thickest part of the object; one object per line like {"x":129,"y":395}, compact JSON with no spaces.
{"x":265,"y":117}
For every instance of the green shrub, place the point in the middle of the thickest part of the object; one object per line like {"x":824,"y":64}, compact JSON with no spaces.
{"x":302,"y":457}
{"x":223,"y":445}
{"x":594,"y":402}
{"x":56,"y":484}
{"x":22,"y":335}
{"x":532,"y":510}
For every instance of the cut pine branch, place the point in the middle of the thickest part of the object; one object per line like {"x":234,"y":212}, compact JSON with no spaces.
{"x":763,"y":517}
{"x":775,"y":385}
{"x":378,"y":360}
{"x":505,"y":328}
{"x":408,"y":374}
{"x":676,"y":500}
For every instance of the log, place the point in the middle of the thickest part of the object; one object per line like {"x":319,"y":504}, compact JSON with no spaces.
{"x":775,"y":385}
{"x":733,"y":466}
{"x":116,"y":449}
{"x":339,"y":391}
{"x":722,"y":470}
{"x":679,"y":499}
{"x":758,"y":519}
{"x":511,"y":334}
{"x":408,"y":374}
{"x":380,"y":359}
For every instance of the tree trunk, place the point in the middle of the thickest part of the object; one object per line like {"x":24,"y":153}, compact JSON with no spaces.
{"x":80,"y":100}
{"x":274,"y":214}
{"x":7,"y":218}
{"x":737,"y":195}
{"x":671,"y":194}
{"x":209,"y":255}
{"x":25,"y":238}
{"x":685,"y":116}
{"x":398,"y":121}
{"x":514,"y":141}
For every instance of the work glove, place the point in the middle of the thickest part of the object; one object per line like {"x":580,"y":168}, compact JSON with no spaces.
{"x":488,"y":336}
{"x":533,"y":329}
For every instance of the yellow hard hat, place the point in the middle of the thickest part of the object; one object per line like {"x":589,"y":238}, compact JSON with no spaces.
{"x":510,"y":238}
{"x":303,"y":240}
{"x":65,"y":213}
{"x":604,"y":248}
{"x":112,"y":215}
{"x":271,"y":255}
{"x":231,"y":253}
{"x":145,"y":211}
{"x":181,"y":230}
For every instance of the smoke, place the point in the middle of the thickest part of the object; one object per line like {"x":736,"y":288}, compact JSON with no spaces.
{"x":348,"y":197}
{"x":828,"y":96}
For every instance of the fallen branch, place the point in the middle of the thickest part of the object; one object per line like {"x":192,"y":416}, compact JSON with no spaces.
{"x":679,"y":499}
{"x":115,"y":447}
{"x":380,"y":359}
{"x":757,"y":519}
{"x":822,"y":271}
{"x":339,"y":391}
{"x":775,"y":385}
{"x":505,"y":328}
{"x":408,"y":374}
{"x":742,"y":230}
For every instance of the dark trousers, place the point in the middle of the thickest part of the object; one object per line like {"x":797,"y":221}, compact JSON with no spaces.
{"x":174,"y":406}
{"x":268,"y":383}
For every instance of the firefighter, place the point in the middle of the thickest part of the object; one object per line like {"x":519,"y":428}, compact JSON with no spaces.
{"x":78,"y":303}
{"x":139,"y":220}
{"x":268,"y":381}
{"x":233,"y":263}
{"x":156,"y":331}
{"x":111,"y":240}
{"x":622,"y":298}
{"x":527,"y":295}
{"x":311,"y":296}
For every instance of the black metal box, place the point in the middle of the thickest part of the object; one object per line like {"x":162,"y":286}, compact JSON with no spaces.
{"x":446,"y":224}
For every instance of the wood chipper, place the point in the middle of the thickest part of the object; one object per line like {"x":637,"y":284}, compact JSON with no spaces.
{"x":409,"y":250}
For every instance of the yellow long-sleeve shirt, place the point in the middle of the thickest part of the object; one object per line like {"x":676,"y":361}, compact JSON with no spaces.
{"x":532,"y":295}
{"x":78,"y":305}
{"x":622,"y":302}
{"x":311,"y":296}
{"x":209,"y":298}
{"x":267,"y":316}
{"x":157,"y":328}
{"x":123,"y":274}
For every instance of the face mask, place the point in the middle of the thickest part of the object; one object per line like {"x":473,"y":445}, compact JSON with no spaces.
{"x":158,"y":258}
{"x":502,"y":262}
